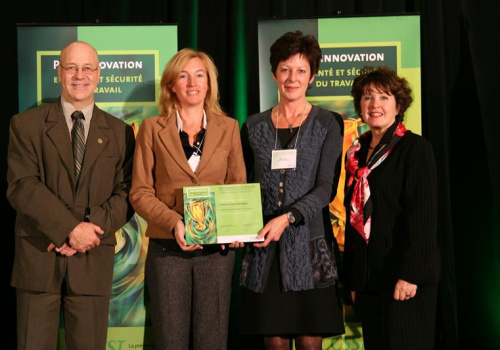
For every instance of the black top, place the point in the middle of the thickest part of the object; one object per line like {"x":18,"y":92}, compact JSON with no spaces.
{"x":197,"y":147}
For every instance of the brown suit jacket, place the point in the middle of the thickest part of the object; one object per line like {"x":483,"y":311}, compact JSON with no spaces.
{"x":41,"y":189}
{"x":161,"y":168}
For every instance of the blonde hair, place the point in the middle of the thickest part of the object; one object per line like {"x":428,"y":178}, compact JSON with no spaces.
{"x":168,"y":98}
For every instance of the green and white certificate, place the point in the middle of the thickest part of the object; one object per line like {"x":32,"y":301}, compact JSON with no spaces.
{"x":222,"y":213}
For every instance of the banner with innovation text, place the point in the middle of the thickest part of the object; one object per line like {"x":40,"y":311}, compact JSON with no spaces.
{"x":348,"y":44}
{"x":132,"y":58}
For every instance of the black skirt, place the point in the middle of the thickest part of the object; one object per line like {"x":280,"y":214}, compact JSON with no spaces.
{"x":275,"y":313}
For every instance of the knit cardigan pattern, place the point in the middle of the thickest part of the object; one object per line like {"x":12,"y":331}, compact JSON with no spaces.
{"x":307,"y":250}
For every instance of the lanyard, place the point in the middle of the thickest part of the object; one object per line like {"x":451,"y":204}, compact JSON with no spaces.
{"x":277,"y":123}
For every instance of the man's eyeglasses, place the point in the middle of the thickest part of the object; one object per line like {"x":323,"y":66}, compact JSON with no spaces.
{"x":74,"y":69}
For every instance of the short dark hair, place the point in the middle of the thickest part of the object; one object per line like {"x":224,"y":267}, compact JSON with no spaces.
{"x":292,"y":43}
{"x":384,"y":79}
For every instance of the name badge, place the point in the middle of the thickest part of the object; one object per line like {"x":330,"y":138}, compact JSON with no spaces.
{"x":284,"y":159}
{"x":193,"y":161}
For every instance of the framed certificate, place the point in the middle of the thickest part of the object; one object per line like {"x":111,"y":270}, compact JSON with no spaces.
{"x":222,"y":213}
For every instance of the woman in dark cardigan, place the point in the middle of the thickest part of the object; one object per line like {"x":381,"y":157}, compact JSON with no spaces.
{"x":391,"y":256}
{"x":294,"y":151}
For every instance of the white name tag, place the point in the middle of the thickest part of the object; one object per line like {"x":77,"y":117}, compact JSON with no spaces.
{"x":193,"y":161}
{"x":284,"y":159}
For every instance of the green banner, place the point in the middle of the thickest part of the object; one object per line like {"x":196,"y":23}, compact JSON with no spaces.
{"x":131,"y":59}
{"x":347,"y":45}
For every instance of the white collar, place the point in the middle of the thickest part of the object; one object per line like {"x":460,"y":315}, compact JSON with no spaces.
{"x":179,"y":120}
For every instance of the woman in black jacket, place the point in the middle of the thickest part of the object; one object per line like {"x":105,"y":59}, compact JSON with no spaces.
{"x":391,"y":256}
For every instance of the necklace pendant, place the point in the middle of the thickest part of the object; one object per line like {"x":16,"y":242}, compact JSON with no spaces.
{"x":290,"y":127}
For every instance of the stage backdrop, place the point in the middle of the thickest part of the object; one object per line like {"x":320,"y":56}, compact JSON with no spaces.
{"x":348,"y":44}
{"x":132,"y":59}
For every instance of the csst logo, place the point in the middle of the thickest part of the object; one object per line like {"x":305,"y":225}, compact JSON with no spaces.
{"x":115,"y":345}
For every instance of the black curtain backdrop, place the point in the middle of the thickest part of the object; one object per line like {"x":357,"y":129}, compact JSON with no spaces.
{"x":460,"y":42}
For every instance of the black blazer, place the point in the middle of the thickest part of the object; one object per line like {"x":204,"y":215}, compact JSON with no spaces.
{"x":403,"y":242}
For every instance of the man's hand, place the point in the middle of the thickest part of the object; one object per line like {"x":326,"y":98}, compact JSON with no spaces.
{"x":84,"y":237}
{"x":64,"y":249}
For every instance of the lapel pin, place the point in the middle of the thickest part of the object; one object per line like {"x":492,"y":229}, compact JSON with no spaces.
{"x":99,"y":140}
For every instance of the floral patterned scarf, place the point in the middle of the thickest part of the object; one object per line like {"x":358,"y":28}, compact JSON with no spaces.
{"x":361,"y":205}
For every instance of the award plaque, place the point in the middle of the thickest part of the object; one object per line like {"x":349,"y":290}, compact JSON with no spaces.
{"x":222,"y":213}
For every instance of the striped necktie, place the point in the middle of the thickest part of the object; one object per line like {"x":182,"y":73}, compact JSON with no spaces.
{"x":78,"y":139}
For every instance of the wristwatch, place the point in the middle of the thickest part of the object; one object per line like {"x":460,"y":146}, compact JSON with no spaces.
{"x":290,"y":217}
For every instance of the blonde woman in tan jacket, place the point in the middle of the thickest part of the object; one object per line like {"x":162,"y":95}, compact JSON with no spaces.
{"x":192,"y":142}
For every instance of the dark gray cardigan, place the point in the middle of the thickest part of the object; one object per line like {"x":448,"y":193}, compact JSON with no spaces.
{"x":306,"y":249}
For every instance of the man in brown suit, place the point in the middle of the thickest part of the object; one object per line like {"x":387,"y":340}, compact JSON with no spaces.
{"x":67,"y":217}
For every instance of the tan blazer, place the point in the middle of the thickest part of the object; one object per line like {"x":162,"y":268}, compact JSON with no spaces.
{"x":161,"y":168}
{"x":41,"y":189}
